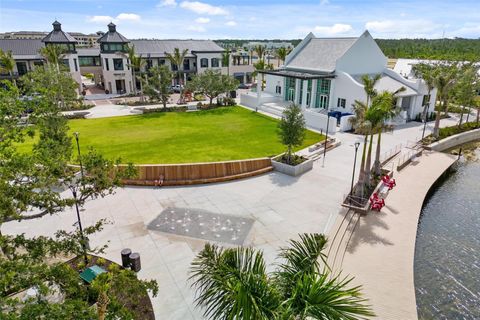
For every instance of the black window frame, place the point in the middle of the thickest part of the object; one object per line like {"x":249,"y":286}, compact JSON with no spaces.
{"x":119,"y":67}
{"x":107,"y":67}
{"x":216,"y":64}
{"x":202,"y":64}
{"x":341,"y":103}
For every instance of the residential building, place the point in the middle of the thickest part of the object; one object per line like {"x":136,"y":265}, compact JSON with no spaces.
{"x":323,"y":75}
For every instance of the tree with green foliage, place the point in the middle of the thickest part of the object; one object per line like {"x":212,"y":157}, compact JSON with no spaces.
{"x":31,"y":187}
{"x":282,"y":54}
{"x":233,"y":283}
{"x":426,"y":72}
{"x":445,"y":76}
{"x":53,"y":53}
{"x":466,"y":88}
{"x":176,"y":59}
{"x":158,"y":84}
{"x":212,"y":83}
{"x":226,"y":60}
{"x":136,"y":64}
{"x":7,"y":64}
{"x":58,"y":87}
{"x":292,"y":130}
{"x":260,"y":66}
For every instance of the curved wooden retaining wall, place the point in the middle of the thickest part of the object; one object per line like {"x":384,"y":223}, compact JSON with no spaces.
{"x":198,"y":173}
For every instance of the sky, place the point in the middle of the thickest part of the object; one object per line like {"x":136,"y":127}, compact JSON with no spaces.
{"x":248,"y":19}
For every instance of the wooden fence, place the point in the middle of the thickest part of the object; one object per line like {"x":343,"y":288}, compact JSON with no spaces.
{"x":198,"y":173}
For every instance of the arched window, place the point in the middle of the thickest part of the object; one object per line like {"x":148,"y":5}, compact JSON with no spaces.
{"x":204,"y":63}
{"x":214,"y":63}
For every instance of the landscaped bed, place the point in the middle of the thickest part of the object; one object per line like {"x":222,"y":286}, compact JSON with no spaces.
{"x":228,"y":133}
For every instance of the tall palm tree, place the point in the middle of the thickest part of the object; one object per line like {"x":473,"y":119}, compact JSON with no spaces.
{"x":136,"y":65}
{"x":177,"y":58}
{"x":261,"y":65}
{"x":445,"y":77}
{"x":53,"y":53}
{"x":282,"y":54}
{"x":260,"y":50}
{"x":226,"y":60}
{"x":233,"y":283}
{"x":7,"y":64}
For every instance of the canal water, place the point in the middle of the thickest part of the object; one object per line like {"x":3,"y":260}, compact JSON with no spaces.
{"x":447,"y":252}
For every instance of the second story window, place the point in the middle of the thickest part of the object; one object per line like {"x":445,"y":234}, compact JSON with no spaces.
{"x":204,"y":63}
{"x":117,"y":64}
{"x":107,"y":67}
{"x":186,"y":64}
{"x":215,"y":63}
{"x":341,"y":103}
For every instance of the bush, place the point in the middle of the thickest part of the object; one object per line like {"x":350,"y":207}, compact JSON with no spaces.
{"x":199,"y":97}
{"x":450,"y":131}
{"x":162,"y":109}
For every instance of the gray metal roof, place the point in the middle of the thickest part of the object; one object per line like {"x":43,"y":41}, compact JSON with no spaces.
{"x":22,"y":47}
{"x":88,"y":52}
{"x":157,"y":48}
{"x":321,"y":54}
{"x":298,"y":74}
{"x":57,"y":35}
{"x":112,"y":35}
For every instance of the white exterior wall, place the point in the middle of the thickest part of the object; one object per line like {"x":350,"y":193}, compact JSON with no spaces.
{"x":110,"y":75}
{"x":272,"y":82}
{"x":209,"y":56}
{"x":76,"y":75}
{"x":346,"y":88}
{"x":364,"y":57}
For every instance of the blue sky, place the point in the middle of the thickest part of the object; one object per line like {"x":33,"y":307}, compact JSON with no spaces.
{"x":247,"y":19}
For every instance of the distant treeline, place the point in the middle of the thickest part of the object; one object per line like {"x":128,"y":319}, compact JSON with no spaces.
{"x":438,"y":49}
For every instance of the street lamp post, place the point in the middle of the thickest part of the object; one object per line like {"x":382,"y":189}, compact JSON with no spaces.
{"x":326,"y":140}
{"x":74,"y":192}
{"x":357,"y":144}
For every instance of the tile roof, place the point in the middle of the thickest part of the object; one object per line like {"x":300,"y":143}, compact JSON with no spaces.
{"x":22,"y":47}
{"x":321,"y":54}
{"x":157,"y":48}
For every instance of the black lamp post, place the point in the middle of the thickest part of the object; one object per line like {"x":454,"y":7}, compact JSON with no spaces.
{"x":74,"y":192}
{"x":326,"y":140}
{"x":357,"y":144}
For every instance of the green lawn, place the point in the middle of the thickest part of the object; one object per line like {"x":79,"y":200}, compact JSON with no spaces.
{"x":230,"y":133}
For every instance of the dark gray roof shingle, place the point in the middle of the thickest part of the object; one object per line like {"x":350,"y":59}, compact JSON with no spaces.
{"x":57,"y":35}
{"x":112,"y":35}
{"x":157,"y":48}
{"x":22,"y":47}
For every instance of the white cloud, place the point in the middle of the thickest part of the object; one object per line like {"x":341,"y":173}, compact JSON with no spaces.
{"x":336,"y":29}
{"x":203,"y":8}
{"x":100,"y":19}
{"x":324,"y":2}
{"x":202,"y":20}
{"x":231,"y":23}
{"x":128,"y":16}
{"x":196,"y":28}
{"x":167,"y":3}
{"x":108,"y":19}
{"x":469,"y":29}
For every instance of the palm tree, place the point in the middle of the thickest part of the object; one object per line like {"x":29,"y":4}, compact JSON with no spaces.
{"x":53,"y":53}
{"x":466,"y":88}
{"x":226,"y":60}
{"x":136,"y":64}
{"x":233,"y":283}
{"x":7,"y":64}
{"x":445,"y":77}
{"x":282,"y":55}
{"x":260,"y":50}
{"x":427,"y":73}
{"x":261,"y":65}
{"x":177,"y":58}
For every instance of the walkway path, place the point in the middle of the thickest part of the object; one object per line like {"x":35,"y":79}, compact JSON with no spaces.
{"x":380,"y":254}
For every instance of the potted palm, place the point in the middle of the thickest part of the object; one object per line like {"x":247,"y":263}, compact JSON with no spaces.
{"x":292,"y":133}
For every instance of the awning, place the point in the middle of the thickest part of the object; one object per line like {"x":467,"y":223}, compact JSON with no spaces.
{"x":298,"y":74}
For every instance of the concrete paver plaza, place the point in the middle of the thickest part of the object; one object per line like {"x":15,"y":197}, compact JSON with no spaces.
{"x":281,"y":207}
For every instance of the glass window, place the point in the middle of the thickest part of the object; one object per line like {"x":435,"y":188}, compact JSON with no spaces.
{"x":426,"y":100}
{"x":117,"y":64}
{"x":89,"y":61}
{"x":186,"y":64}
{"x":341,"y":103}
{"x":161,"y":62}
{"x":107,"y":67}
{"x":76,"y":64}
{"x":22,"y":68}
{"x":204,"y":63}
{"x":214,"y":63}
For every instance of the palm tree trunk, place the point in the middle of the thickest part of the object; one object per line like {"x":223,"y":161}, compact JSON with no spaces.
{"x":134,"y":80}
{"x":436,"y":128}
{"x":461,"y":117}
{"x":361,"y":175}
{"x":377,"y":154}
{"x":368,"y":163}
{"x":102,"y":304}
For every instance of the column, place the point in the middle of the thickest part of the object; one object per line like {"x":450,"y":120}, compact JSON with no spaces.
{"x":259,"y":91}
{"x":313,"y":97}
{"x":297,"y":91}
{"x":304,"y":94}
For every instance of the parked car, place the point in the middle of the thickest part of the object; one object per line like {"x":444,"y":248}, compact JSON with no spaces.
{"x":244,"y":86}
{"x":177,"y":88}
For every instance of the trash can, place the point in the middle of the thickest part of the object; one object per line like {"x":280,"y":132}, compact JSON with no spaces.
{"x":135,"y":261}
{"x":125,"y":257}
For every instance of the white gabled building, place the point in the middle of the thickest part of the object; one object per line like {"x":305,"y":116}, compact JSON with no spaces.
{"x":324,"y":75}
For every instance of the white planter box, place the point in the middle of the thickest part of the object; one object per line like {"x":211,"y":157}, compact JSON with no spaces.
{"x":293,"y":171}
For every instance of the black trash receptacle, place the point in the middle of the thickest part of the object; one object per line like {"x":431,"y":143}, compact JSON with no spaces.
{"x":233,"y":94}
{"x":125,"y":257}
{"x":135,"y":261}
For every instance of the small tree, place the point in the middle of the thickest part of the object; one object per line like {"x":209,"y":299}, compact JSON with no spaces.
{"x":7,"y":64}
{"x":157,"y":86}
{"x":292,"y":130}
{"x":212,"y":83}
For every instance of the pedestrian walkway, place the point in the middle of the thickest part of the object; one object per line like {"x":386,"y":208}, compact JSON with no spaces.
{"x":380,"y":253}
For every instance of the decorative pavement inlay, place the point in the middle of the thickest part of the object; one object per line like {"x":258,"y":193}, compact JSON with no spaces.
{"x":202,"y":224}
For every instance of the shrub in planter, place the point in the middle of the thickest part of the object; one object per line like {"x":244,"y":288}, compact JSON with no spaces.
{"x":291,"y":130}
